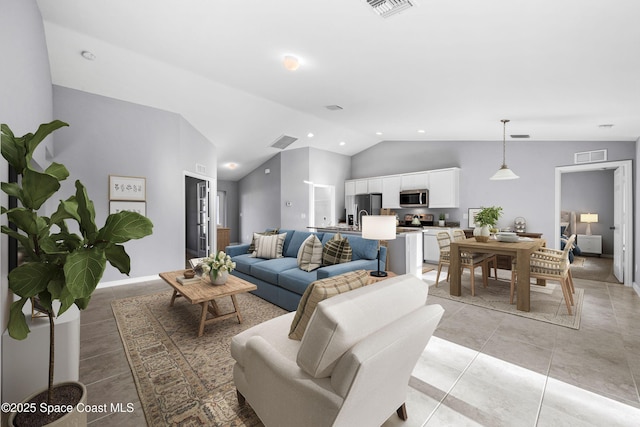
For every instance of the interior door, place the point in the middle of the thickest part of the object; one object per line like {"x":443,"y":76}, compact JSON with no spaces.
{"x":203,"y":218}
{"x":619,"y":211}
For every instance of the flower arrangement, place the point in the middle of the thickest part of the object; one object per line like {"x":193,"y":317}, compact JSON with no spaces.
{"x":217,"y":263}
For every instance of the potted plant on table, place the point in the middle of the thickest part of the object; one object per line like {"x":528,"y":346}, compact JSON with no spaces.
{"x":441,"y":220}
{"x":60,"y":268}
{"x":485,"y":221}
{"x":217,"y":266}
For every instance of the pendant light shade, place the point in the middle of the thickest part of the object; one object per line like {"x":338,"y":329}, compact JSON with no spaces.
{"x":504,"y":172}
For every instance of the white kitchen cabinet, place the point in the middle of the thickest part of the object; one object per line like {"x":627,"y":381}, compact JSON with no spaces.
{"x":444,"y":188}
{"x":350,"y":188}
{"x":590,"y":243}
{"x":415,"y":181}
{"x":391,"y":192}
{"x":362,"y":186}
{"x":374,"y":185}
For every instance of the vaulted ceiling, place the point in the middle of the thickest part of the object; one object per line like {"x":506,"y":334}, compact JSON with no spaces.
{"x":449,"y":68}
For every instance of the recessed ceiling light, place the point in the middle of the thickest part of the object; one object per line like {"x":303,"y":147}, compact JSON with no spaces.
{"x":291,"y":63}
{"x":231,"y":165}
{"x":89,"y":56}
{"x":420,"y":130}
{"x":342,"y":143}
{"x":378,"y":133}
{"x":606,"y":125}
{"x":310,"y":135}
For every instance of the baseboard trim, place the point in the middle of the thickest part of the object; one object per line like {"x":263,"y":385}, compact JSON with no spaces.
{"x":129,"y":281}
{"x":636,"y":288}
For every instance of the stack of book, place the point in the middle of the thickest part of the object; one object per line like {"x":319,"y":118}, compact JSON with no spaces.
{"x":184,"y":281}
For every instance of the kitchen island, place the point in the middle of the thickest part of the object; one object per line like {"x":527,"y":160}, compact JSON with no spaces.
{"x":404,"y":253}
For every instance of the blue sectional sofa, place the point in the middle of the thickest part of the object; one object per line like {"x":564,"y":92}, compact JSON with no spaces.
{"x":281,"y":282}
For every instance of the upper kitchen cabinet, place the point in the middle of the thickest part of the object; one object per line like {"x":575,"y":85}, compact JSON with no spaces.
{"x":375,"y":185}
{"x":391,"y":192}
{"x":444,"y":189}
{"x":349,"y":188}
{"x":415,"y":181}
{"x":362,"y":186}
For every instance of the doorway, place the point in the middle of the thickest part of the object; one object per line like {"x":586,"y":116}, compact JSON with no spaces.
{"x":323,"y":206}
{"x":622,"y":212}
{"x":198,"y":237}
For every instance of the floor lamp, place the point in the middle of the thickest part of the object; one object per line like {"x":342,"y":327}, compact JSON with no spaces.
{"x":379,"y":227}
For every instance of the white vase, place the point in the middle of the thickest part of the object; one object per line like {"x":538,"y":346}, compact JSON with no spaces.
{"x":220,"y":278}
{"x":482,"y":233}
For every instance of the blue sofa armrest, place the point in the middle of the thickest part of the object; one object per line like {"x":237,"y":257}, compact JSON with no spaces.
{"x":360,"y":264}
{"x":235,"y":250}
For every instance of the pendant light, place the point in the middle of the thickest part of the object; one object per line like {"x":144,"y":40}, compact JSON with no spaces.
{"x":504,"y":172}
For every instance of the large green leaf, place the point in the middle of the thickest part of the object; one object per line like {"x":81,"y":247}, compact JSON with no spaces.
{"x":67,"y":209}
{"x":25,"y":219}
{"x":13,"y":149}
{"x":17,"y":326}
{"x":43,"y":131}
{"x":83,"y":270}
{"x":37,"y":188}
{"x":66,"y":301}
{"x":86,"y":212}
{"x":31,"y":278}
{"x":58,"y":171}
{"x":24,"y":240}
{"x":12,"y":189}
{"x":118,"y":257}
{"x":124,"y":226}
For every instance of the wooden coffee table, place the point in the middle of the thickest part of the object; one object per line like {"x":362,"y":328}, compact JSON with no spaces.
{"x":205,"y":294}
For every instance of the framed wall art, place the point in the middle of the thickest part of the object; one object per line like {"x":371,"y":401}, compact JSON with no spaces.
{"x":472,"y":215}
{"x":116,"y":206}
{"x":127,"y":188}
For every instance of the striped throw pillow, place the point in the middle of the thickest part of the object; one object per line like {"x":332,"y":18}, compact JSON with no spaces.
{"x":270,"y":247}
{"x":319,"y":291}
{"x":252,"y":245}
{"x":336,"y":251}
{"x":310,"y":253}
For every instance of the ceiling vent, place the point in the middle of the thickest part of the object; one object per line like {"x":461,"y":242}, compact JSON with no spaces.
{"x":590,"y":156}
{"x":334,"y":107}
{"x":283,"y":141}
{"x":386,"y":8}
{"x":519,"y":136}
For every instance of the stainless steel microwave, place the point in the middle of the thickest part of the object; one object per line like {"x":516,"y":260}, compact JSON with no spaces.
{"x":414,"y":198}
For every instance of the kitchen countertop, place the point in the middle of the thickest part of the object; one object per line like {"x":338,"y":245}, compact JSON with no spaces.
{"x":354,"y":230}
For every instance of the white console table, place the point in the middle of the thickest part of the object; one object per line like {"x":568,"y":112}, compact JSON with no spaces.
{"x":590,"y":243}
{"x":25,"y":363}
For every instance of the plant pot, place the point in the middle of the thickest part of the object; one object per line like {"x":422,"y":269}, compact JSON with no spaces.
{"x":481,"y":233}
{"x":220,"y":278}
{"x":75,"y":418}
{"x":441,"y":223}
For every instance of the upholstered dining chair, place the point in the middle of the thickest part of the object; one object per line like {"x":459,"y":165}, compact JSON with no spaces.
{"x":550,"y":264}
{"x":492,"y":259}
{"x":467,"y":260}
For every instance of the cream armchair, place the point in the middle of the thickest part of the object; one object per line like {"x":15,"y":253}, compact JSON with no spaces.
{"x":353,"y":365}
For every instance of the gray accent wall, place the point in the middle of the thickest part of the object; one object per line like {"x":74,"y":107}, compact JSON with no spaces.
{"x":112,"y":137}
{"x":532,"y":196}
{"x":591,"y":192}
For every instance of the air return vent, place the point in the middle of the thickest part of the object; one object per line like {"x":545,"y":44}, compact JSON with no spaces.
{"x":590,"y":156}
{"x":333,"y":107}
{"x":386,"y":8}
{"x":283,"y":141}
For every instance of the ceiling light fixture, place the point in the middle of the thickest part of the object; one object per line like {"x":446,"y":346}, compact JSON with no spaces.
{"x":310,"y":135}
{"x":378,"y":133}
{"x":231,"y":165}
{"x":342,"y":143}
{"x":504,"y":172}
{"x":420,"y":130}
{"x":88,"y":55}
{"x":291,"y":63}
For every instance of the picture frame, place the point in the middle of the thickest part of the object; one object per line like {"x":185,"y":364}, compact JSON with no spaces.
{"x":127,"y":188}
{"x":116,"y":206}
{"x":472,"y":214}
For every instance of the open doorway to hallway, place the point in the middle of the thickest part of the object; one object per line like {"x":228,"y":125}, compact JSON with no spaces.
{"x":197,"y":218}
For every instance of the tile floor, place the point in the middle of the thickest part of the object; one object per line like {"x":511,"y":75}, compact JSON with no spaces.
{"x":481,"y":368}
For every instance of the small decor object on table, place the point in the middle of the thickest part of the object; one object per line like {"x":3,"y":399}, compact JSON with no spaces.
{"x":486,"y":220}
{"x":217,"y":266}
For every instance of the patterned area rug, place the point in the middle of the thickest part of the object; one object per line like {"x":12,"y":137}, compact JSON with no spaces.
{"x":547,"y":302}
{"x":183,"y":380}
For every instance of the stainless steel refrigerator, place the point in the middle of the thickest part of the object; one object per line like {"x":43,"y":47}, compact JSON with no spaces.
{"x":369,"y":203}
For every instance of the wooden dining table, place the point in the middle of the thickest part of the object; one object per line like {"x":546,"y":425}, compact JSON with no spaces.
{"x":521,"y":249}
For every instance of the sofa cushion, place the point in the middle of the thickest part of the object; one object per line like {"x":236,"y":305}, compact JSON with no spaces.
{"x":336,"y":251}
{"x":319,"y":291}
{"x":245,"y":261}
{"x":310,"y":254}
{"x":340,"y":322}
{"x":296,"y":280}
{"x":362,"y":248}
{"x":252,"y":245}
{"x":297,"y":239}
{"x":269,"y":247}
{"x":268,"y":270}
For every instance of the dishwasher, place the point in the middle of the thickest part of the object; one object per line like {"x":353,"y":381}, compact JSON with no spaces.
{"x":431,"y":249}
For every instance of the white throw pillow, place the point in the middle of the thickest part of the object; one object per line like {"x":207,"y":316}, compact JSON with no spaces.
{"x":270,"y":247}
{"x":310,"y":253}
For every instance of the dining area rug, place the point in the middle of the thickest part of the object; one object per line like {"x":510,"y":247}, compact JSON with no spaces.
{"x":183,"y":379}
{"x":547,"y":302}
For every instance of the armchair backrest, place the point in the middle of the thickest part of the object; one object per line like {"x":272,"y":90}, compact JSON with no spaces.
{"x":340,"y":322}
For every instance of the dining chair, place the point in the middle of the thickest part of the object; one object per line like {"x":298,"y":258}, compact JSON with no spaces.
{"x":492,"y":259}
{"x":550,"y":264}
{"x":467,"y":260}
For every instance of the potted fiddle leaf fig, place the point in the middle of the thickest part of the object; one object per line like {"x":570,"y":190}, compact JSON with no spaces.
{"x":61,"y":266}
